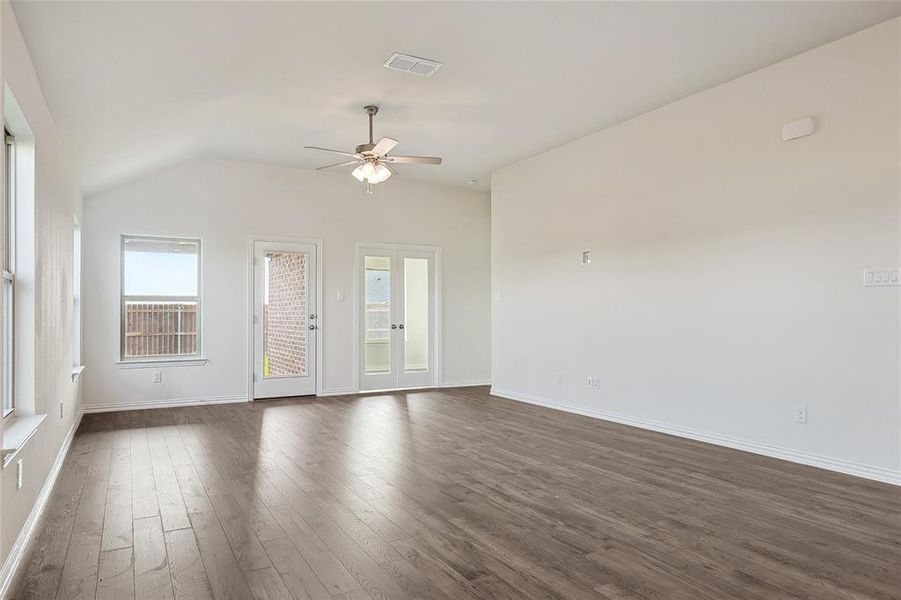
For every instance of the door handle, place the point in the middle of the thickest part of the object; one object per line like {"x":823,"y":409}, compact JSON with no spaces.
{"x":393,"y":326}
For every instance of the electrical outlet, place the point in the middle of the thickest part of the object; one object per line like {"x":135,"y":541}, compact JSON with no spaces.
{"x":19,"y":474}
{"x":559,"y":378}
{"x":157,"y":377}
{"x":801,"y":414}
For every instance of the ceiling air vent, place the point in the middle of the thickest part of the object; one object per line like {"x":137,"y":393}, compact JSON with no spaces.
{"x":412,"y":64}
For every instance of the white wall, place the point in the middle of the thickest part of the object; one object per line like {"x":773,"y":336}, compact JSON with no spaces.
{"x":726,"y":284}
{"x":57,"y":199}
{"x":227,"y":202}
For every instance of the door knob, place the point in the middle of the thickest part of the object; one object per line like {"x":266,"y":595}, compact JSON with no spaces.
{"x":393,"y":326}
{"x":401,"y":325}
{"x":312,"y":327}
{"x":312,"y":315}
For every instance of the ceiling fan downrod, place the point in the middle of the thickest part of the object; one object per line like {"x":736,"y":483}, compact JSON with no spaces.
{"x":371,"y":110}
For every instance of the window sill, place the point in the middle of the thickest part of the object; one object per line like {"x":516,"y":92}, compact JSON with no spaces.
{"x":16,"y":433}
{"x":194,"y":361}
{"x":76,"y":372}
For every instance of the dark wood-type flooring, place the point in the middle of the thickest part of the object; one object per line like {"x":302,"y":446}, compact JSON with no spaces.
{"x":444,"y":494}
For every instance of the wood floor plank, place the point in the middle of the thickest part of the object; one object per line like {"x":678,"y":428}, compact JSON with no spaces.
{"x":79,"y":577}
{"x":240,"y":533}
{"x":117,"y":525}
{"x":117,"y":576}
{"x":173,"y":513}
{"x":46,"y":556}
{"x":92,"y":506}
{"x":445,"y":494}
{"x":152,"y":579}
{"x":355,"y":595}
{"x":266,"y":584}
{"x":295,"y":571}
{"x":80,"y":573}
{"x":259,"y":516}
{"x":143,"y":485}
{"x":325,"y":564}
{"x":225,"y":576}
{"x":189,"y":578}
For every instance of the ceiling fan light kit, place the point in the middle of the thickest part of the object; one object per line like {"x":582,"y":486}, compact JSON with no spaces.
{"x":372,"y":160}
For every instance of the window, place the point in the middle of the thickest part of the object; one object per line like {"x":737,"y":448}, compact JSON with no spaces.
{"x":9,"y":277}
{"x":76,"y":294}
{"x":160,"y":297}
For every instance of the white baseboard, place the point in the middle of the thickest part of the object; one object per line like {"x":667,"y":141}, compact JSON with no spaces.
{"x":464,"y":383}
{"x":193,"y":401}
{"x":796,"y":456}
{"x":337,"y":392}
{"x":14,"y":559}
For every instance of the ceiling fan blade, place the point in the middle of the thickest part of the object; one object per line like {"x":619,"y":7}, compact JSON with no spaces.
{"x":342,"y":152}
{"x":340,"y":164}
{"x":384,"y":146}
{"x":414,"y":160}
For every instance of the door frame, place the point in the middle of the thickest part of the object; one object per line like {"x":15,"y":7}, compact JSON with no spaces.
{"x":251,"y":300}
{"x":437,"y":341}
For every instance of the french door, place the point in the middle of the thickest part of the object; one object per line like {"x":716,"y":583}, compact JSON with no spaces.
{"x":397,"y":318}
{"x":285,"y":319}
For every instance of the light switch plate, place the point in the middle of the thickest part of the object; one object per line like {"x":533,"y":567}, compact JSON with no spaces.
{"x":881,"y":277}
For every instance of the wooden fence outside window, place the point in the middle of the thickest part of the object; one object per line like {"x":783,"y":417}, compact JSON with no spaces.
{"x":160,"y":328}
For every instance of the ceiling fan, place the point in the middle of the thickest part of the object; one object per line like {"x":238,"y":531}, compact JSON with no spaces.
{"x":372,"y":160}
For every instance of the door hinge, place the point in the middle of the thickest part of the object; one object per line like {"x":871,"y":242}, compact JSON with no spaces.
{"x":254,"y":375}
{"x":256,"y":319}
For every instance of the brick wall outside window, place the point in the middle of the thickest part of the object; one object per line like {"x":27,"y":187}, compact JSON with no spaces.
{"x":285,"y":317}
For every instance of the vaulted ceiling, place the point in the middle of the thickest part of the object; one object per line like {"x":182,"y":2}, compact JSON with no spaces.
{"x":137,"y":86}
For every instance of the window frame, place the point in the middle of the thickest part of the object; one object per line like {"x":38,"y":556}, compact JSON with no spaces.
{"x":197,"y":355}
{"x":8,"y":296}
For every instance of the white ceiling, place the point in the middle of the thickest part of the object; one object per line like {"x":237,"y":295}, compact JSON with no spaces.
{"x":136,"y":86}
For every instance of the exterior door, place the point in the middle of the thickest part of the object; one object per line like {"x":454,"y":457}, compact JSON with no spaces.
{"x":285,"y":319}
{"x":397,"y":318}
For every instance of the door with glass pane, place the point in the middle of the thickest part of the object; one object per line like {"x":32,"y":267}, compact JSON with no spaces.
{"x":286,"y":320}
{"x":397,"y":318}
